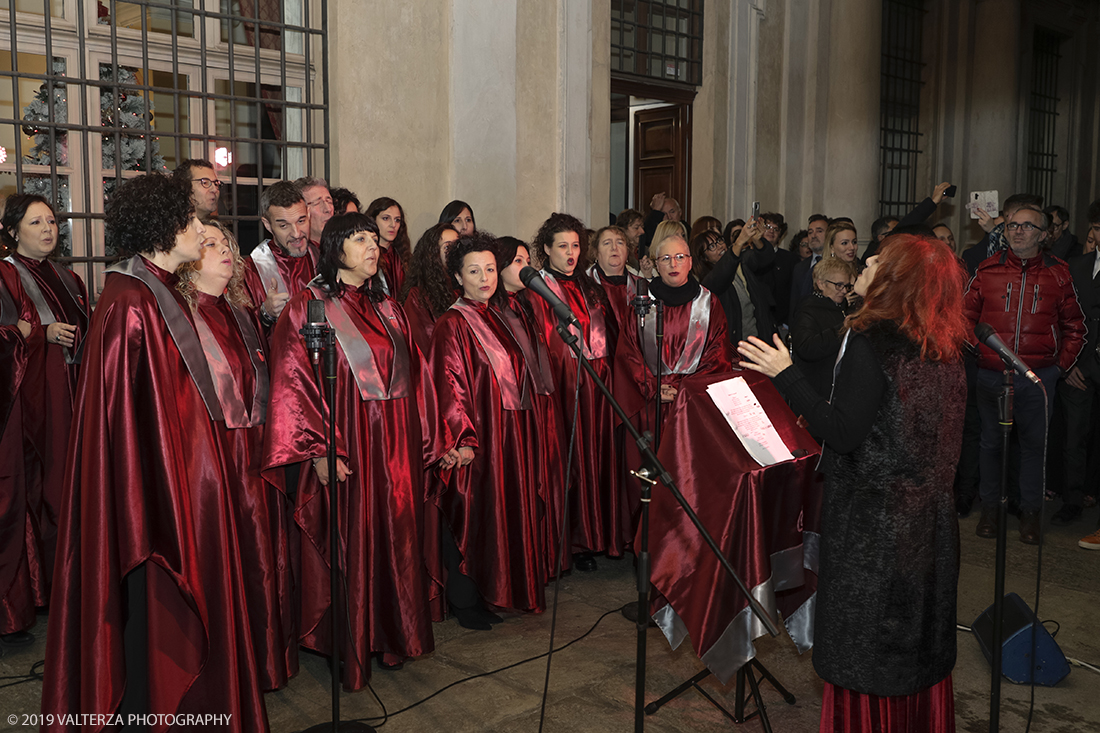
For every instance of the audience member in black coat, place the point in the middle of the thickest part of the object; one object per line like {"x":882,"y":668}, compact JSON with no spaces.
{"x":733,"y":281}
{"x":815,"y":328}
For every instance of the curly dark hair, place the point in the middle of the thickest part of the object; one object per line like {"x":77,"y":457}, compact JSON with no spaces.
{"x":145,"y":214}
{"x":427,"y":272}
{"x":476,"y":242}
{"x":339,"y":228}
{"x":544,"y":237}
{"x":15,"y":208}
{"x":401,"y":242}
{"x":183,"y":170}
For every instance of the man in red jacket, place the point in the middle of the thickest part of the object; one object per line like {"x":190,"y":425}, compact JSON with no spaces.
{"x":1029,"y":300}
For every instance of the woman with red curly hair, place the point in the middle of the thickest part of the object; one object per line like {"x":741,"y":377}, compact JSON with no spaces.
{"x":884,"y":632}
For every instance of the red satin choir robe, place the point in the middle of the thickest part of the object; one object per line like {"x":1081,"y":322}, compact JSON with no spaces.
{"x":421,"y":320}
{"x":148,"y":490}
{"x":620,"y":292}
{"x":22,"y":582}
{"x":262,"y":512}
{"x":635,"y":377}
{"x":294,"y":272}
{"x":492,"y":505}
{"x":48,"y":393}
{"x":392,"y":270}
{"x":386,"y":443}
{"x":596,"y":507}
{"x":551,"y":437}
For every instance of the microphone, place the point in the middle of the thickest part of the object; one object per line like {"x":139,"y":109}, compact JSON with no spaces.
{"x":531,"y":278}
{"x":642,"y":301}
{"x":315,"y":329}
{"x":989,"y":337}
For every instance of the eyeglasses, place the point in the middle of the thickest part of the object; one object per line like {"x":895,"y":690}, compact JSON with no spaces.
{"x":1016,"y":226}
{"x":207,"y":182}
{"x":771,"y":227}
{"x":717,"y":244}
{"x":678,"y":259}
{"x":840,"y":286}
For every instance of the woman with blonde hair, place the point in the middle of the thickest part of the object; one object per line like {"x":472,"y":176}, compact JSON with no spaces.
{"x":229,"y":334}
{"x":840,"y":242}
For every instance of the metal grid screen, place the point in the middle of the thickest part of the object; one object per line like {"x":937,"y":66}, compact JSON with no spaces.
{"x":900,"y":105}
{"x":94,"y":91}
{"x":660,"y":39}
{"x":1042,"y":160}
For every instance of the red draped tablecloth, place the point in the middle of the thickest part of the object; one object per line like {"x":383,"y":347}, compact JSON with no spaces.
{"x":765,"y":519}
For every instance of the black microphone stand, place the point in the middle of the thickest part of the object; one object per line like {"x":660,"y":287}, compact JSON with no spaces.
{"x":1004,"y":404}
{"x":322,"y":337}
{"x":660,"y":334}
{"x":652,"y":472}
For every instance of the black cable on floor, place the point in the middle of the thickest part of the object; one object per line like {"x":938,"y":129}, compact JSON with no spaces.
{"x":1039,"y":557}
{"x":495,"y":671}
{"x":34,"y":675}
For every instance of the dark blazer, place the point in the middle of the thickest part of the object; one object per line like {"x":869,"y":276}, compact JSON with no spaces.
{"x":815,"y":340}
{"x":974,"y":256}
{"x":779,"y":279}
{"x":802,"y":284}
{"x":1088,"y":296}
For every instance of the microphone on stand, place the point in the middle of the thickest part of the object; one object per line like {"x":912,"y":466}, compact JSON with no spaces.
{"x":989,"y":337}
{"x":531,"y":279}
{"x":642,"y":302}
{"x":315,"y":329}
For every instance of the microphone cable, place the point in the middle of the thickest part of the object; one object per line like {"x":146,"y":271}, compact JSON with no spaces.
{"x":1039,"y":557}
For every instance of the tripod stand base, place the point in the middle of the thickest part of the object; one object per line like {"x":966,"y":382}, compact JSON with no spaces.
{"x":344,"y":727}
{"x":738,"y":716}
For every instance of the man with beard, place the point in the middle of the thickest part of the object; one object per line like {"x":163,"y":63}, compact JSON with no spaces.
{"x":205,"y":187}
{"x":318,"y":200}
{"x":283,"y":265}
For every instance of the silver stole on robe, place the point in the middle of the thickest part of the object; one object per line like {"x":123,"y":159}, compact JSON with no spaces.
{"x":596,"y":347}
{"x":179,"y":327}
{"x":694,"y":342}
{"x":45,"y":314}
{"x":358,"y":353}
{"x":229,"y":390}
{"x":496,"y":354}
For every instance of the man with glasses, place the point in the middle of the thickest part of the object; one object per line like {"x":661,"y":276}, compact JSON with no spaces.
{"x":318,"y":200}
{"x":1028,"y":297}
{"x":206,"y":189}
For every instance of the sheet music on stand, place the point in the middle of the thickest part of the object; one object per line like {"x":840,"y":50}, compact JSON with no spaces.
{"x":735,"y":400}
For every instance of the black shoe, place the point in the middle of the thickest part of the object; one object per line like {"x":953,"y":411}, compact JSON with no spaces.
{"x":18,"y":638}
{"x":486,"y":615}
{"x":585,"y":562}
{"x":987,"y":525}
{"x":963,"y":505}
{"x":470,"y":618}
{"x":1029,"y":527}
{"x":1068,"y":514}
{"x":390,"y":667}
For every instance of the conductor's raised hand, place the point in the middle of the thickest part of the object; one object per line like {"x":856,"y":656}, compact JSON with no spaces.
{"x":760,"y":357}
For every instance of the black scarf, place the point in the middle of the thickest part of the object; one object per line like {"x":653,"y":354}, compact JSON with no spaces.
{"x":669,"y":295}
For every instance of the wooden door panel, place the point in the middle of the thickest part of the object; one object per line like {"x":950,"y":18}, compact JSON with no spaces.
{"x":662,"y":155}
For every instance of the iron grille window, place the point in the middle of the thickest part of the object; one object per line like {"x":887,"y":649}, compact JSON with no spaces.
{"x":662,"y":39}
{"x":1042,"y":161}
{"x":899,"y":133}
{"x":95,"y":91}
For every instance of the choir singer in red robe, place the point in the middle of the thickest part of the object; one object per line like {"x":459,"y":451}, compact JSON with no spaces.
{"x":695,"y":338}
{"x":53,"y":357}
{"x":281,"y":266}
{"x":428,"y":291}
{"x":22,"y":585}
{"x":596,"y":502}
{"x":385,"y":413}
{"x":493,"y":523}
{"x":148,"y":613}
{"x":235,"y":352}
{"x":512,"y":257}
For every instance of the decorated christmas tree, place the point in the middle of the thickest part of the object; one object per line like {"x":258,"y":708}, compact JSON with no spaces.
{"x":128,"y":110}
{"x":34,"y":114}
